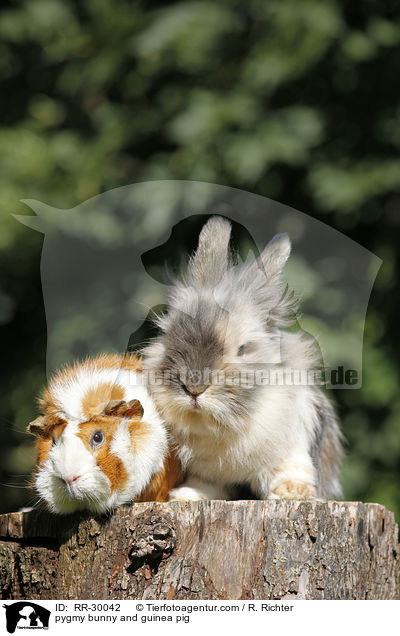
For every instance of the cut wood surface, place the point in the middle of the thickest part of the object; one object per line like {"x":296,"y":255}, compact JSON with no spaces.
{"x":204,"y":550}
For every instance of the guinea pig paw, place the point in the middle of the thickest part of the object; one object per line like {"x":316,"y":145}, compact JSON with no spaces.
{"x":291,"y":489}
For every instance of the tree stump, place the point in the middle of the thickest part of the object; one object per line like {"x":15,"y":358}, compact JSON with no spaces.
{"x":203,"y":550}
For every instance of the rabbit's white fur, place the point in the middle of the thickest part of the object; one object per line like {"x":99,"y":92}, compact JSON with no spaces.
{"x":283,"y":441}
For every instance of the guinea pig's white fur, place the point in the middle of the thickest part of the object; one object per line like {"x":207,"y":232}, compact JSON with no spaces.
{"x":70,"y":474}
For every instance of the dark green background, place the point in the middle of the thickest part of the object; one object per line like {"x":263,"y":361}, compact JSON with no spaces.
{"x":297,"y":101}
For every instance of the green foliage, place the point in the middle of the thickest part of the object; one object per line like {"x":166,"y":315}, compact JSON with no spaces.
{"x":297,"y":101}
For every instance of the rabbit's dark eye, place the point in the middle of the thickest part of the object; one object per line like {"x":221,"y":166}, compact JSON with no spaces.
{"x":241,"y":350}
{"x":97,"y":439}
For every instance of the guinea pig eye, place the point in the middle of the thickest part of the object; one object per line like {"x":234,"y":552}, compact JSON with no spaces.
{"x":241,"y":350}
{"x":97,"y":439}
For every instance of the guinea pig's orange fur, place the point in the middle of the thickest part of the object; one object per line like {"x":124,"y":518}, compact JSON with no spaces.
{"x":170,"y":476}
{"x":52,"y":429}
{"x":43,"y":446}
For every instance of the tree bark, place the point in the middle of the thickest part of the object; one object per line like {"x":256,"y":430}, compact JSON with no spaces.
{"x":204,"y":550}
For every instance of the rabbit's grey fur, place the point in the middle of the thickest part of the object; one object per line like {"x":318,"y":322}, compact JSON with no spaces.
{"x":283,"y":441}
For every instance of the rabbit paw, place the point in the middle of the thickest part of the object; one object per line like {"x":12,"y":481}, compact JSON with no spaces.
{"x":290,"y":489}
{"x":185,"y":493}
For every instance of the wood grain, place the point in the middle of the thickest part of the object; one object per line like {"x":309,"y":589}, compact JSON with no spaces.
{"x":204,"y":550}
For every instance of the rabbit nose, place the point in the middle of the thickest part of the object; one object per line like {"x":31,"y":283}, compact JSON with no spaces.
{"x":195,"y":390}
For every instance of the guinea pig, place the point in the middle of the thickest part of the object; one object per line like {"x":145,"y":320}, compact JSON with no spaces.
{"x":100,"y":441}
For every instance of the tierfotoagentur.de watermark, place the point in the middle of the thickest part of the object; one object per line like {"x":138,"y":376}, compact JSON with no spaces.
{"x":257,"y":375}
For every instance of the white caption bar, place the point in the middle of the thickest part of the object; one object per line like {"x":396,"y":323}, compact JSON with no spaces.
{"x":171,"y":617}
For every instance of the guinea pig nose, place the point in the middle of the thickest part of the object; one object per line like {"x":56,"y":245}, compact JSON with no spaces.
{"x":71,"y":480}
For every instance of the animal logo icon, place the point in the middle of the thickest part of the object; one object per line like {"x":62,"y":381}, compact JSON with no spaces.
{"x":26,"y":615}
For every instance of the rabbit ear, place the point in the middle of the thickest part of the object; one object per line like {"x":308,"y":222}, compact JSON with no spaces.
{"x":278,"y":303}
{"x":211,"y":260}
{"x":276,"y":253}
{"x":274,"y":256}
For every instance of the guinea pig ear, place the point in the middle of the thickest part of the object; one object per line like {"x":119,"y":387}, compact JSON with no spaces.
{"x":37,"y":427}
{"x":135,"y":409}
{"x":210,"y":262}
{"x":121,"y":408}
